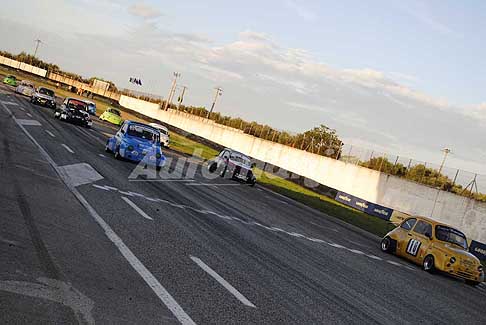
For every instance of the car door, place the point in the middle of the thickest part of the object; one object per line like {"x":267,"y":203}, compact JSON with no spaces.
{"x":121,"y":133}
{"x":403,"y":235}
{"x":419,"y":242}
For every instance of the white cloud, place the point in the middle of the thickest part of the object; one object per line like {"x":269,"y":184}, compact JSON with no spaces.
{"x":285,"y":87}
{"x":144,"y":11}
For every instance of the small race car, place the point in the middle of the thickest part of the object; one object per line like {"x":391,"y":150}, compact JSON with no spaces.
{"x":164,"y":134}
{"x":137,"y":142}
{"x":25,"y":88}
{"x":91,"y":107}
{"x":235,"y":164}
{"x":45,"y":97}
{"x":74,"y":111}
{"x":112,"y":115}
{"x":10,"y":80}
{"x":435,"y":246}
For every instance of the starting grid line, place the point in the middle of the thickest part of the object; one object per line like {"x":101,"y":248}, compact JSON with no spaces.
{"x":251,"y":223}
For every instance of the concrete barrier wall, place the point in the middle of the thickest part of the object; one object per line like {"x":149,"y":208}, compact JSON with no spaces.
{"x":386,"y":190}
{"x":22,"y":66}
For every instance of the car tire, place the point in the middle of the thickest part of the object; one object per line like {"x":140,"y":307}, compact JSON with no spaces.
{"x":472,"y":283}
{"x":117,"y":153}
{"x":386,"y":245}
{"x":429,"y":264}
{"x":212,"y":168}
{"x":107,"y":147}
{"x":252,"y":184}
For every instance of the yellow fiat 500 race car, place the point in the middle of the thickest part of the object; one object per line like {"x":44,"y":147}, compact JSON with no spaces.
{"x":435,"y":246}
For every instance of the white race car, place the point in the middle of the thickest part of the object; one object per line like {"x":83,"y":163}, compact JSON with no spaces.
{"x":25,"y":88}
{"x":233,"y":164}
{"x":164,"y":134}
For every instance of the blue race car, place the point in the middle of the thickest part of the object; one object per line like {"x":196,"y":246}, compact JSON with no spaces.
{"x":137,"y":142}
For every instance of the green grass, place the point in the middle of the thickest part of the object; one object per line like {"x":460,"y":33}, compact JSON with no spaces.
{"x":325,"y":204}
{"x":187,"y":146}
{"x":285,"y":187}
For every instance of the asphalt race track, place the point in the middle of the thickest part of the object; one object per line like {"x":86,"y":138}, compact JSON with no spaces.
{"x":82,"y":242}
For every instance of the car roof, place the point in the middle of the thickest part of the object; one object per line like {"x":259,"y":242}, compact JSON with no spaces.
{"x":432,"y":221}
{"x":155,"y":125}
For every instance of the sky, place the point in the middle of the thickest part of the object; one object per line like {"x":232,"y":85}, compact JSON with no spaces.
{"x":402,"y":77}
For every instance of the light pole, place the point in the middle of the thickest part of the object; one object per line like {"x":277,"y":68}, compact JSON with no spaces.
{"x":37,"y":41}
{"x":446,"y":151}
{"x":219,"y":92}
{"x":172,"y":90}
{"x":181,"y":97}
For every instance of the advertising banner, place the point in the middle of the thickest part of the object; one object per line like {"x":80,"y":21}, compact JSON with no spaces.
{"x":373,"y":209}
{"x":478,"y":249}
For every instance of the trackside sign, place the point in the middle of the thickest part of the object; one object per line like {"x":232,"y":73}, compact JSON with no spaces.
{"x":365,"y":206}
{"x":478,"y":249}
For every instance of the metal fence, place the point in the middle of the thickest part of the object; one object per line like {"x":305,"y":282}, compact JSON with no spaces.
{"x":447,"y":178}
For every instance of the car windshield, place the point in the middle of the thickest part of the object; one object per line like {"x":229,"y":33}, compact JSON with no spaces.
{"x":46,"y":91}
{"x":451,"y":235}
{"x":240,"y":159}
{"x":114,"y":111}
{"x":76,"y":104}
{"x":143,"y":132}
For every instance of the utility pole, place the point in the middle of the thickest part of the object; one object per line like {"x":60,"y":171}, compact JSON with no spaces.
{"x":172,"y":90}
{"x":181,"y":97}
{"x":446,"y":151}
{"x":219,"y":92}
{"x":37,"y":41}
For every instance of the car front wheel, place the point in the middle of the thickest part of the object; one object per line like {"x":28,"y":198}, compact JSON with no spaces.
{"x":386,"y":245}
{"x":117,"y":153}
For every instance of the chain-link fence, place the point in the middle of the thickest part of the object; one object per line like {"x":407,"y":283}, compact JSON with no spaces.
{"x":442,"y":177}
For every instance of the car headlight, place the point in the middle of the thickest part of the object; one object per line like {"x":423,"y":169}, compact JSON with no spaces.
{"x":480,"y":268}
{"x":453,"y":260}
{"x":130,"y":148}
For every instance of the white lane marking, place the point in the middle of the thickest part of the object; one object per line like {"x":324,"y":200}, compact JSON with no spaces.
{"x":394,"y":263}
{"x":50,"y":133}
{"x":28,"y":122}
{"x":374,"y":257}
{"x":223,"y":282}
{"x":28,"y":114}
{"x":148,"y":277}
{"x":101,"y":155}
{"x":67,"y":148}
{"x":136,"y":208}
{"x":22,"y":109}
{"x":9,"y":103}
{"x":80,"y":174}
{"x":251,"y":223}
{"x":283,"y":202}
{"x":161,"y":180}
{"x":211,"y":184}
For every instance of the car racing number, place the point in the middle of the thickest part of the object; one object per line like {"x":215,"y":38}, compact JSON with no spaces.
{"x":413,"y":247}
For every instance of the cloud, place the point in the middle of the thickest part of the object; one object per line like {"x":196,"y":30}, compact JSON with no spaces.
{"x":288,"y":88}
{"x":144,"y":11}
